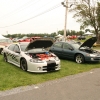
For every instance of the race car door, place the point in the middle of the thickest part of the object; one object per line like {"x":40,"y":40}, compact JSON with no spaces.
{"x":9,"y":52}
{"x":16,"y":55}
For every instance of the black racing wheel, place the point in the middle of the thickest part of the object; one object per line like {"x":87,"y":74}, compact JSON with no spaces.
{"x":23,"y":64}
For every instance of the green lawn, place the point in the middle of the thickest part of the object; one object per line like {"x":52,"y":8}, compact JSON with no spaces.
{"x":12,"y":76}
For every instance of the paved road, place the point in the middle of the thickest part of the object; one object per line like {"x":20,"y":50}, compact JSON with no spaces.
{"x":83,"y":86}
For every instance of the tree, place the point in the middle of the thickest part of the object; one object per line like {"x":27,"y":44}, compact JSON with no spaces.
{"x":87,"y":13}
{"x":87,"y":30}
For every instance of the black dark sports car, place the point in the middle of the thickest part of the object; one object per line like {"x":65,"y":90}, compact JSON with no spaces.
{"x":75,"y":51}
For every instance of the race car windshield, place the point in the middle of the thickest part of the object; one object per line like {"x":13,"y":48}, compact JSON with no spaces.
{"x":23,"y":47}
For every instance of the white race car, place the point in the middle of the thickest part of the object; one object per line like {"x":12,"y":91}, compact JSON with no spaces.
{"x":32,"y":56}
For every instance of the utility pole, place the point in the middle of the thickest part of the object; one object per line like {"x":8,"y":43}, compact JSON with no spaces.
{"x":66,"y":13}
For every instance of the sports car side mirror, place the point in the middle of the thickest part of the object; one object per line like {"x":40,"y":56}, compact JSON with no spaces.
{"x":70,"y":48}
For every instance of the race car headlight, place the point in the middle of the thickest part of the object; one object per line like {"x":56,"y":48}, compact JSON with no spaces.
{"x":56,"y":58}
{"x":36,"y":60}
{"x":92,"y":55}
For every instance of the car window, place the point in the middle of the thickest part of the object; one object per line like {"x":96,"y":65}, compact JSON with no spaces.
{"x":16,"y":48}
{"x":58,"y":45}
{"x":23,"y":47}
{"x":11,"y":47}
{"x":66,"y":46}
{"x":76,"y":45}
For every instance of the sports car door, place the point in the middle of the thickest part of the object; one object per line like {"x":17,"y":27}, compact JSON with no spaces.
{"x":57,"y":49}
{"x":68,"y":51}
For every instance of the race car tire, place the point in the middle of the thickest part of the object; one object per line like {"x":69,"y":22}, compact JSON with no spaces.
{"x":1,"y":50}
{"x":23,"y":64}
{"x":5,"y":58}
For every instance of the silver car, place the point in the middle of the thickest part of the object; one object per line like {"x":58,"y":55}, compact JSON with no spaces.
{"x":33,"y":56}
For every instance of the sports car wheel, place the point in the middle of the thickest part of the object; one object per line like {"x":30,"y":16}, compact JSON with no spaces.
{"x":5,"y":58}
{"x":23,"y":64}
{"x":79,"y":58}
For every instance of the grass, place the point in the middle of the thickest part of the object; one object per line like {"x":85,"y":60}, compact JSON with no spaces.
{"x":12,"y":76}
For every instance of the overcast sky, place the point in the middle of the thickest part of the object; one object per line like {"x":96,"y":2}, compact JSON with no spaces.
{"x":34,"y":16}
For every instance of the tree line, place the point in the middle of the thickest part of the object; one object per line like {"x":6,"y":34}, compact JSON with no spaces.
{"x":68,"y":32}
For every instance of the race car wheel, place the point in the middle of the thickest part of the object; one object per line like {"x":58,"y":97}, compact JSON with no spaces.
{"x":1,"y":50}
{"x":5,"y":58}
{"x":23,"y":64}
{"x":79,"y":58}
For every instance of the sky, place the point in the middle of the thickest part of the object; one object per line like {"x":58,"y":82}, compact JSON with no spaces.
{"x":34,"y":16}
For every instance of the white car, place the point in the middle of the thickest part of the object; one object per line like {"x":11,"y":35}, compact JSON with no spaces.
{"x":33,"y":56}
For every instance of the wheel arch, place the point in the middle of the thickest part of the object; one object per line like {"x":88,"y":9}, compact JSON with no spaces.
{"x":1,"y":50}
{"x":5,"y":57}
{"x":22,"y":58}
{"x":26,"y":63}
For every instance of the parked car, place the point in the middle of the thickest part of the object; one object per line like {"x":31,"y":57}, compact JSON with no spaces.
{"x":4,"y":42}
{"x":76,"y":51}
{"x":82,"y":37}
{"x":15,"y":40}
{"x":24,"y":40}
{"x":29,"y":39}
{"x":32,"y":56}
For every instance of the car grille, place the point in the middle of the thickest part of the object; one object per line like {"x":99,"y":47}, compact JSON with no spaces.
{"x":51,"y":66}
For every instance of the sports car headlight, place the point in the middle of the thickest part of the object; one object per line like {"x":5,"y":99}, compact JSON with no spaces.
{"x":36,"y":61}
{"x":92,"y":55}
{"x":56,"y":58}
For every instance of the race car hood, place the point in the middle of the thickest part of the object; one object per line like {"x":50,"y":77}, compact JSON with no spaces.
{"x":89,"y":43}
{"x":39,"y":43}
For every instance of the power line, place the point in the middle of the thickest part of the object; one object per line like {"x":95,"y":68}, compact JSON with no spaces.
{"x":24,"y":6}
{"x":34,"y":16}
{"x":35,"y":10}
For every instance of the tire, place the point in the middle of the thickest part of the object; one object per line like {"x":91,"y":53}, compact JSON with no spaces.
{"x":79,"y":58}
{"x":1,"y":50}
{"x":5,"y":58}
{"x":23,"y":64}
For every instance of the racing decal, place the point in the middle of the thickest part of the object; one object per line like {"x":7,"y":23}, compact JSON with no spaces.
{"x":14,"y":57}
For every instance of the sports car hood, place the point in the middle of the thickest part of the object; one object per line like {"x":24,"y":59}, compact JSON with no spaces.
{"x":39,"y":43}
{"x":89,"y":43}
